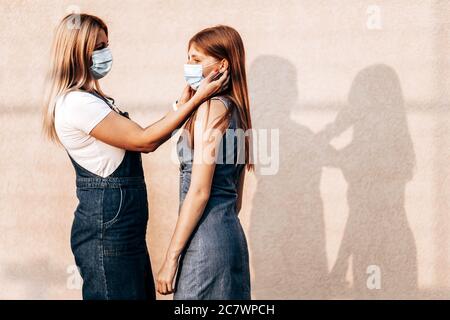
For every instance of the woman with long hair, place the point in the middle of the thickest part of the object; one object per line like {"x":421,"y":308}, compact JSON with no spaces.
{"x":104,"y":146}
{"x":208,"y":250}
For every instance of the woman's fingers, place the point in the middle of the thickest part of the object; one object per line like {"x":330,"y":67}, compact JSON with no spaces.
{"x":220,"y":83}
{"x":165,"y":278}
{"x":164,"y":287}
{"x":211,"y":76}
{"x":209,"y":87}
{"x":223,"y":81}
{"x":169,"y":288}
{"x":158,"y":286}
{"x":186,"y":94}
{"x":223,"y":78}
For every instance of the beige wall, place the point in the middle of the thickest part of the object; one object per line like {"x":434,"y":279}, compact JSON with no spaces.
{"x":303,"y":61}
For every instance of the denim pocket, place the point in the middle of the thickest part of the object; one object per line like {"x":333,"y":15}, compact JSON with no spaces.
{"x":112,"y":206}
{"x":89,"y":203}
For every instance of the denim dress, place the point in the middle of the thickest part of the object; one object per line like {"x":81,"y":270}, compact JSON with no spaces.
{"x":109,"y":229}
{"x":215,"y":262}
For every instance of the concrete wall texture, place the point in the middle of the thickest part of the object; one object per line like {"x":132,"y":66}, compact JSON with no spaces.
{"x":361,"y":214}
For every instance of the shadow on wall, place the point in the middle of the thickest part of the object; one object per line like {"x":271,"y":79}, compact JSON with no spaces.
{"x":287,"y":230}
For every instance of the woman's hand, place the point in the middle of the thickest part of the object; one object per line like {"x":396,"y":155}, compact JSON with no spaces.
{"x":209,"y":86}
{"x":166,"y":275}
{"x":186,"y":95}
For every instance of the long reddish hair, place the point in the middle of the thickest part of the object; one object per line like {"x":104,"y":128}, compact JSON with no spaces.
{"x":223,"y":42}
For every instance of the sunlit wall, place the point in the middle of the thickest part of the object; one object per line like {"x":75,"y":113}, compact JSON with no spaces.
{"x":357,"y":205}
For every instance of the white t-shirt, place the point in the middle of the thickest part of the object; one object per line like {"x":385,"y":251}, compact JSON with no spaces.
{"x":76,"y":114}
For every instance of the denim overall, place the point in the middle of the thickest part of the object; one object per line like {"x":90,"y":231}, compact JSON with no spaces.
{"x":108,"y":231}
{"x":215,"y":264}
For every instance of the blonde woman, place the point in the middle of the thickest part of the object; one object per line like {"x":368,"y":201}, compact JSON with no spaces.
{"x":104,"y":146}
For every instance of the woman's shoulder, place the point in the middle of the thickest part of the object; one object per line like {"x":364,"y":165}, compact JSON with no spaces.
{"x":80,"y":106}
{"x":81,"y":110}
{"x":212,"y":108}
{"x":225,"y":99}
{"x":77,"y":96}
{"x":80,"y":101}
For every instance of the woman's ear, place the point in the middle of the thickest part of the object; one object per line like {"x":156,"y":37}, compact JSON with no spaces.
{"x":224,"y":65}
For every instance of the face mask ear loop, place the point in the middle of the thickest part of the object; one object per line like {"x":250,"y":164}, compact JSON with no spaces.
{"x":211,"y":64}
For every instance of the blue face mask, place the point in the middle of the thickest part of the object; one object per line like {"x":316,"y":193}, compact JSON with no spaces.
{"x":101,"y":63}
{"x":193,"y":73}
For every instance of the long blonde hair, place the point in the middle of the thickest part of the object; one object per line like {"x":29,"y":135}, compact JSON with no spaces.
{"x":71,"y":57}
{"x":224,"y":42}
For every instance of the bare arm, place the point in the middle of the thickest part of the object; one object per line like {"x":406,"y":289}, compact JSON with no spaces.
{"x":206,"y":142}
{"x":127,"y":134}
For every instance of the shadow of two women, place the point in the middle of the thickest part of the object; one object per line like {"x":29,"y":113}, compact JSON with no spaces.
{"x":287,"y":229}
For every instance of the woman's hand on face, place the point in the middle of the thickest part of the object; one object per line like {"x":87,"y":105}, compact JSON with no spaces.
{"x":186,"y":95}
{"x":166,"y":275}
{"x":210,"y":86}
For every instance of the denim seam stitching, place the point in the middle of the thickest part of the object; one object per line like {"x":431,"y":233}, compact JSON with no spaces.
{"x":102,"y":266}
{"x":116,"y":216}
